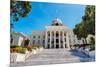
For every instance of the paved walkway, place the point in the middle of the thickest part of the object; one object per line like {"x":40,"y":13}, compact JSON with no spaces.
{"x":54,"y":56}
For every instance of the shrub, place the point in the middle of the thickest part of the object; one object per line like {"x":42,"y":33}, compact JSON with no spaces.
{"x":14,"y":46}
{"x":92,"y":47}
{"x":29,"y":48}
{"x":17,"y":49}
{"x":92,"y":40}
{"x":23,"y":50}
{"x":11,"y":50}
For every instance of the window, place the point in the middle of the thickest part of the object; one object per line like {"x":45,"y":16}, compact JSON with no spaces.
{"x":43,"y":36}
{"x":52,"y":42}
{"x":48,"y":34}
{"x":61,"y":41}
{"x":43,"y":41}
{"x":48,"y":45}
{"x":57,"y":40}
{"x":38,"y":36}
{"x":64,"y":34}
{"x":34,"y":36}
{"x":65,"y":39}
{"x":48,"y":39}
{"x":65,"y":46}
{"x":33,"y":41}
{"x":57,"y":34}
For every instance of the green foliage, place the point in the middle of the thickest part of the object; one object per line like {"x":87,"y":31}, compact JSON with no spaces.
{"x":17,"y":49}
{"x":92,"y":47}
{"x":19,"y":9}
{"x":15,"y":46}
{"x":23,"y":50}
{"x":87,"y":25}
{"x":20,"y":49}
{"x":29,"y":48}
{"x":92,"y":40}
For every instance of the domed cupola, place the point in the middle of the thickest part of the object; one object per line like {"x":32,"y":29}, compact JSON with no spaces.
{"x":57,"y":22}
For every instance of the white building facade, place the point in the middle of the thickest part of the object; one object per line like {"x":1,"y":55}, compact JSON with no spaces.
{"x":55,"y":36}
{"x":17,"y":39}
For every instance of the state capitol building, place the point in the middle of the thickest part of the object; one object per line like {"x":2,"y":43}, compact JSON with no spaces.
{"x":55,"y":36}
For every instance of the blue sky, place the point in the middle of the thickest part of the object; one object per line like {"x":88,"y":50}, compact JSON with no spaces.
{"x":42,"y":14}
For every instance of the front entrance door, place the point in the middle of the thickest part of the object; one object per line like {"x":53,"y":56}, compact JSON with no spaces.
{"x":57,"y":46}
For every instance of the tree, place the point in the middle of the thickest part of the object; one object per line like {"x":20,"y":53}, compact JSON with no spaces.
{"x":92,"y":40}
{"x":18,"y":9}
{"x":87,"y":25}
{"x":89,"y":20}
{"x":92,"y":47}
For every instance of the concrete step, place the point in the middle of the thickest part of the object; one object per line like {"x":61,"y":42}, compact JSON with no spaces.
{"x":53,"y":56}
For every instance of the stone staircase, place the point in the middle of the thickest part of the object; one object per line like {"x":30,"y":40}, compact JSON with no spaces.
{"x":54,"y":56}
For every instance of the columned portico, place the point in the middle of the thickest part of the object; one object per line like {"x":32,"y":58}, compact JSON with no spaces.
{"x":56,"y":39}
{"x":54,"y":36}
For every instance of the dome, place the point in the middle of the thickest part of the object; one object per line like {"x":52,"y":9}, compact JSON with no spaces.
{"x":57,"y":22}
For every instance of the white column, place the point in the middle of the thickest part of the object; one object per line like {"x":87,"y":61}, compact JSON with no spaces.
{"x":46,"y":39}
{"x":54,"y":39}
{"x":50,"y":38}
{"x":63,"y":40}
{"x":67,"y":37}
{"x":59,"y":40}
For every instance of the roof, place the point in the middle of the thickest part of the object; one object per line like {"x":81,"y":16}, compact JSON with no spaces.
{"x":57,"y":22}
{"x":18,"y":34}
